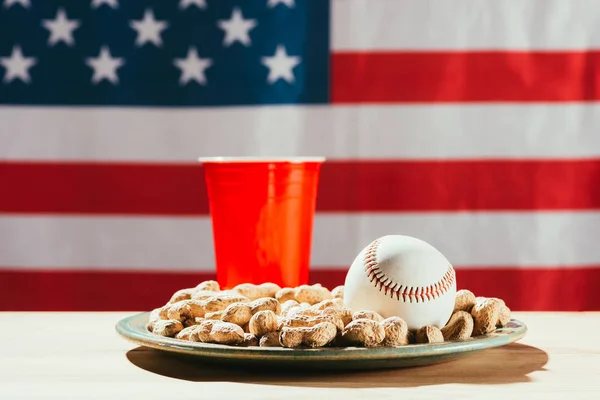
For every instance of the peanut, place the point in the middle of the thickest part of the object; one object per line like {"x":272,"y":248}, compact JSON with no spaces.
{"x":285,"y":294}
{"x":368,"y":315}
{"x":167,"y":327}
{"x":254,"y":292}
{"x":155,"y":315}
{"x":186,"y":309}
{"x":305,"y":312}
{"x":504,"y":318}
{"x":363,"y":332}
{"x":204,"y":329}
{"x":164,"y":311}
{"x":318,"y":335}
{"x":249,"y":340}
{"x":241,"y":313}
{"x":311,"y":320}
{"x":266,"y":303}
{"x":216,"y":315}
{"x":237,"y":313}
{"x":262,"y":322}
{"x":301,"y":309}
{"x":286,"y":306}
{"x":270,"y":288}
{"x":246,"y":328}
{"x":459,"y":327}
{"x":248,"y":290}
{"x":226,"y":333}
{"x":204,"y":294}
{"x":311,"y":294}
{"x":220,"y":302}
{"x":326,"y":293}
{"x":150,"y":325}
{"x":429,"y":334}
{"x":182,"y":294}
{"x":189,"y":333}
{"x":342,"y":313}
{"x":338,"y":292}
{"x":213,"y":286}
{"x":193,"y":321}
{"x":322,"y":305}
{"x":396,"y":332}
{"x":464,"y":301}
{"x":270,"y":339}
{"x":486,"y":314}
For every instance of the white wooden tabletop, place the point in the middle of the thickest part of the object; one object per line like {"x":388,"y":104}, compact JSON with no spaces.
{"x":80,"y":356}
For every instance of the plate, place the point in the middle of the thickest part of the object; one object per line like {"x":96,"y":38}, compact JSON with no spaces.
{"x":133,"y":329}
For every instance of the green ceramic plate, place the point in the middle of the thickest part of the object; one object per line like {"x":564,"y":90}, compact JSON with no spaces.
{"x":133,"y":328}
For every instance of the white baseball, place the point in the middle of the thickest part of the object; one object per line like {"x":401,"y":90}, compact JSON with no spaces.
{"x":402,"y":276}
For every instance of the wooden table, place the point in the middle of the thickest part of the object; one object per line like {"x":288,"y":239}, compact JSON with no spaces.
{"x":80,"y":356}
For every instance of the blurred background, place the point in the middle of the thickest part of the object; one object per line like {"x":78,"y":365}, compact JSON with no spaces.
{"x":473,"y":125}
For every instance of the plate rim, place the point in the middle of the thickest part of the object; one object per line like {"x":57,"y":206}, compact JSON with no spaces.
{"x":128,"y":328}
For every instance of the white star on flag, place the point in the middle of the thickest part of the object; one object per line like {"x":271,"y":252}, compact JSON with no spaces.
{"x":110,"y":3}
{"x":10,"y":3}
{"x":61,"y":28}
{"x":186,"y":3}
{"x":192,"y":67}
{"x":273,"y":3}
{"x":237,"y":28}
{"x":17,"y":66}
{"x":281,"y":65}
{"x":148,"y":29}
{"x":105,"y":66}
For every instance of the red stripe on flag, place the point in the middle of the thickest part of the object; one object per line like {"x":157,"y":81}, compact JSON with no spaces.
{"x":103,"y":188}
{"x":473,"y":76}
{"x":522,"y":289}
{"x":178,"y":189}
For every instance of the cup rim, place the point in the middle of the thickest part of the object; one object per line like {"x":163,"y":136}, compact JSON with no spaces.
{"x":261,"y":159}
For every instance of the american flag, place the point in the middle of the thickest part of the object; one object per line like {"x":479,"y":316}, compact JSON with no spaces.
{"x":473,"y":125}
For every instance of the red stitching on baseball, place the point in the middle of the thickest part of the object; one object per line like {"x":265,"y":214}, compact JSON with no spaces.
{"x":393,"y":289}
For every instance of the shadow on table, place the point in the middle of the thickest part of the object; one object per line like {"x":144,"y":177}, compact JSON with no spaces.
{"x":508,"y":364}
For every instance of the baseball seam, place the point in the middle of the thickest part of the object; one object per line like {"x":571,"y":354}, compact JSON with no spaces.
{"x":411,"y":294}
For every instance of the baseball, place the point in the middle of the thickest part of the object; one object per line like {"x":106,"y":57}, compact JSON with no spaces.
{"x":402,"y":276}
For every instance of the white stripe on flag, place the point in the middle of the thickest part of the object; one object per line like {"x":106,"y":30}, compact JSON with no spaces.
{"x":464,"y":25}
{"x":557,"y":239}
{"x":353,"y":132}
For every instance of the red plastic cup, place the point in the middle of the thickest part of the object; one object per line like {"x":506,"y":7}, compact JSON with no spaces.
{"x":262,"y":213}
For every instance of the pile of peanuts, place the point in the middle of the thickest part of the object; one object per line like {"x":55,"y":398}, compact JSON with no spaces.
{"x":309,"y":316}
